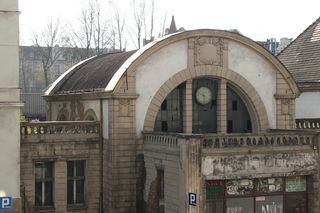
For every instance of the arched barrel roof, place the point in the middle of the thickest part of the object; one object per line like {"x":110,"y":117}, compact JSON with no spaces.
{"x":90,"y":75}
{"x":102,"y":73}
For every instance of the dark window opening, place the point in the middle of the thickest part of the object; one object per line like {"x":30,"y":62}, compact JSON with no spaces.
{"x":234,"y":105}
{"x":164,"y":105}
{"x":249,"y":128}
{"x":229,"y":126}
{"x":237,"y":112}
{"x":160,"y":189}
{"x":164,"y":126}
{"x":214,"y":103}
{"x":44,"y":184}
{"x":170,"y":114}
{"x":75,"y":182}
{"x":160,"y":178}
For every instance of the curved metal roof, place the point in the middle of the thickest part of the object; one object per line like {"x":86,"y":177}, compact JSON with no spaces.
{"x":99,"y":73}
{"x":90,"y":75}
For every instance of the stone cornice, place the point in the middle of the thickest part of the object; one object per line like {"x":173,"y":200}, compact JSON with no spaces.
{"x":285,"y":96}
{"x":11,"y":104}
{"x":90,"y":96}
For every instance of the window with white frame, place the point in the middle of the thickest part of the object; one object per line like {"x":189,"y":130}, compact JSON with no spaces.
{"x":76,"y":181}
{"x":44,"y":184}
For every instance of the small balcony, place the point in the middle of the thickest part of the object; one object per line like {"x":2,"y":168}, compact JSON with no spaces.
{"x":235,"y":156}
{"x":55,"y":131}
{"x":272,"y":138}
{"x":291,"y":144}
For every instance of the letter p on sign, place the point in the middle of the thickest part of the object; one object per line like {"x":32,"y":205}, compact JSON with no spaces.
{"x":192,"y":199}
{"x":5,"y":203}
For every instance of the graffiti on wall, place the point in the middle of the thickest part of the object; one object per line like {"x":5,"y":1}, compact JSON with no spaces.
{"x":237,"y":209}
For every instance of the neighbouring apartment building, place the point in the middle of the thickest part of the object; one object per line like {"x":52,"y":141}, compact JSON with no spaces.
{"x":197,"y":121}
{"x":274,"y":46}
{"x":9,"y":106}
{"x":33,"y":60}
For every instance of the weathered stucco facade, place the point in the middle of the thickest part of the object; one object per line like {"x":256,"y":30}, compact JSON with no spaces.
{"x":9,"y":102}
{"x":186,"y":113}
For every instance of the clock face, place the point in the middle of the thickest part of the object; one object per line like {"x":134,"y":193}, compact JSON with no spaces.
{"x":203,"y":95}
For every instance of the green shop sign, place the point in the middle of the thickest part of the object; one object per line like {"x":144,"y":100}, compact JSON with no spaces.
{"x":296,"y":184}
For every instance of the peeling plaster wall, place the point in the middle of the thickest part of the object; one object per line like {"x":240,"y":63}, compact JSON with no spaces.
{"x":259,"y":72}
{"x":170,"y":165}
{"x":154,"y":72}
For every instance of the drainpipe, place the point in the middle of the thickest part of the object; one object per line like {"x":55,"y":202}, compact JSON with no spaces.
{"x":101,"y":210}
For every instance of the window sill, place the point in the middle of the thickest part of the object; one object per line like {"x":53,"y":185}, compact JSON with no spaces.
{"x":45,"y":209}
{"x":76,"y":207}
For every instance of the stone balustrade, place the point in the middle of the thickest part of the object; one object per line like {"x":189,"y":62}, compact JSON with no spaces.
{"x":308,"y":124}
{"x":168,"y":140}
{"x":217,"y":141}
{"x":58,"y":129}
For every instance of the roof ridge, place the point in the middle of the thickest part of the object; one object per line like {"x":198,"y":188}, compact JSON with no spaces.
{"x":300,"y":35}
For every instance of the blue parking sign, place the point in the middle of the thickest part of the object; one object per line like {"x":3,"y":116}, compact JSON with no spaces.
{"x":5,"y":202}
{"x":192,"y":199}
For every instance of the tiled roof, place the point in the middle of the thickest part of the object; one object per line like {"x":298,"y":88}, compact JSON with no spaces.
{"x":95,"y":74}
{"x":302,"y":56}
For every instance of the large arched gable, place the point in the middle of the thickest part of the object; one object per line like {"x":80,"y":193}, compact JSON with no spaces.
{"x":153,"y":66}
{"x":137,"y":58}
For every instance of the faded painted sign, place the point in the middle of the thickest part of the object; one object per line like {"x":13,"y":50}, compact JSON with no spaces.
{"x":220,"y":167}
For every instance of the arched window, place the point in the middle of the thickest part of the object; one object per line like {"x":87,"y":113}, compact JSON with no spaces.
{"x":217,"y":107}
{"x":170,"y":114}
{"x":238,"y":118}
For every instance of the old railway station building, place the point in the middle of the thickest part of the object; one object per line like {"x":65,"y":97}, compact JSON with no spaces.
{"x":197,"y":121}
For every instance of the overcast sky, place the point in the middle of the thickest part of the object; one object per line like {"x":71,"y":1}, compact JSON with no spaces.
{"x":256,"y":19}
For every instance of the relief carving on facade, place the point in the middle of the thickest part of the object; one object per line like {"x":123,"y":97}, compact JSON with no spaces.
{"x":209,"y":51}
{"x":77,"y":111}
{"x":124,"y":108}
{"x":63,"y":114}
{"x":285,"y":107}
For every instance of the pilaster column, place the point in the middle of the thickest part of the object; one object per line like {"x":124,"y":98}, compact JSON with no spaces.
{"x":187,"y":102}
{"x":222,"y":107}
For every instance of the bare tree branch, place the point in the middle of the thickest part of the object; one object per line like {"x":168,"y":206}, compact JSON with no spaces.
{"x":47,"y":46}
{"x":92,"y":36}
{"x":118,"y":26}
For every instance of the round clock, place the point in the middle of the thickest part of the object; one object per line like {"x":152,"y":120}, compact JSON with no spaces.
{"x":203,"y":95}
